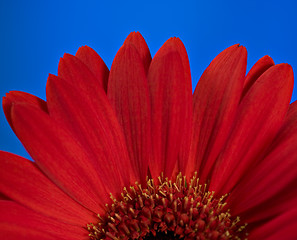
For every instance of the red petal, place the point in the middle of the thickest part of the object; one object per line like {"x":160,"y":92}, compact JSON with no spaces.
{"x":8,"y":232}
{"x":3,"y":197}
{"x":75,"y":72}
{"x":268,"y":209}
{"x":216,"y":98}
{"x":256,"y":71}
{"x":129,"y":95}
{"x":95,"y":64}
{"x":93,"y":123}
{"x":282,"y":227}
{"x":18,"y":222}
{"x":21,"y":97}
{"x":140,"y":45}
{"x":59,"y":155}
{"x":266,"y":180}
{"x":171,"y":98}
{"x":259,"y":118}
{"x":23,"y":182}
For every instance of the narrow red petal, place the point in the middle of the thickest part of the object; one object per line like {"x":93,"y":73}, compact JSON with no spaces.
{"x":95,"y":64}
{"x":15,"y":218}
{"x":59,"y":155}
{"x":23,"y":182}
{"x":216,"y":99}
{"x":95,"y":127}
{"x":185,"y":145}
{"x":129,"y":95}
{"x":140,"y":45}
{"x":256,"y":71}
{"x":171,"y":101}
{"x":259,"y":118}
{"x":21,"y":97}
{"x":282,"y":227}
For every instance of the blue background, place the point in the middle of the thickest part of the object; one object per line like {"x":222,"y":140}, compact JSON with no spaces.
{"x":35,"y":34}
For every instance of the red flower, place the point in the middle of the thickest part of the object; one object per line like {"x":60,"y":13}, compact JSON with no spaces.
{"x":136,"y":139}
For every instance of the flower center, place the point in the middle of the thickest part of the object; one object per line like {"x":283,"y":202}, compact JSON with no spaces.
{"x":168,"y":209}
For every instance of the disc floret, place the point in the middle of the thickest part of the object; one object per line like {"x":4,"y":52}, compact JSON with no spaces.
{"x":167,"y":209}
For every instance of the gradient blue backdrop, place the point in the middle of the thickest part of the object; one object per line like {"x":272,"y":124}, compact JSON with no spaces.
{"x":35,"y":34}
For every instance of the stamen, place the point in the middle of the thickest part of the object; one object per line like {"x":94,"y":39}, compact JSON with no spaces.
{"x":167,"y":209}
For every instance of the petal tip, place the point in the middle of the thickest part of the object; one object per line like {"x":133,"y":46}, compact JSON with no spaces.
{"x":236,"y":47}
{"x":84,"y":49}
{"x":66,"y":56}
{"x":286,"y":69}
{"x":134,"y":36}
{"x":269,"y":59}
{"x":174,"y":42}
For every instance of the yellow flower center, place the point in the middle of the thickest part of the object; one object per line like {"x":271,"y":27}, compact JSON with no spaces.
{"x":168,"y":209}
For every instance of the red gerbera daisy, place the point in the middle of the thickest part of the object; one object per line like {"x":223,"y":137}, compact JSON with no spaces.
{"x":132,"y":154}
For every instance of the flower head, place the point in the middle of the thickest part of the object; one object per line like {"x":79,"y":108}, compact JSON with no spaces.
{"x":130,"y":153}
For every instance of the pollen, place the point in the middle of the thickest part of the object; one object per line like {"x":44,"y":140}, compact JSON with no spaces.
{"x":167,"y":209}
